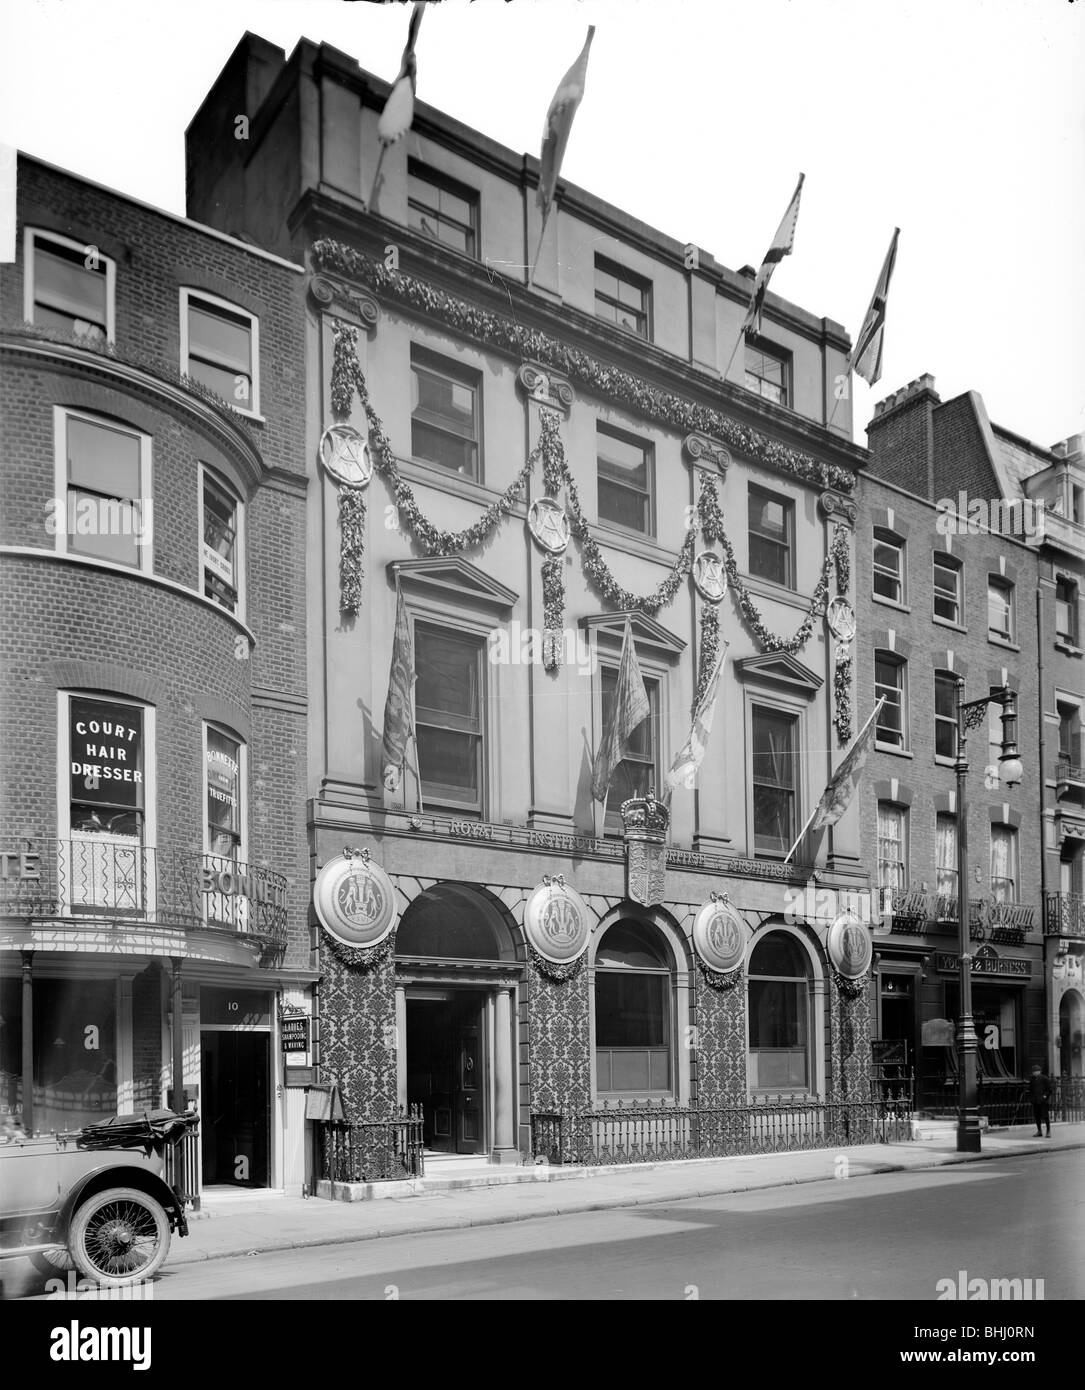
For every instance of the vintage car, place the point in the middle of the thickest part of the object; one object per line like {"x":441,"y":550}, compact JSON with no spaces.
{"x":97,"y":1196}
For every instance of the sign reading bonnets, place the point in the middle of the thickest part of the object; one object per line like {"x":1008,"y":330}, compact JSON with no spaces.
{"x":557,"y":923}
{"x":355,"y":901}
{"x":719,"y":936}
{"x":850,"y":948}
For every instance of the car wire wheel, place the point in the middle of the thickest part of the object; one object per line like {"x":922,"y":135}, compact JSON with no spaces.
{"x":119,"y":1236}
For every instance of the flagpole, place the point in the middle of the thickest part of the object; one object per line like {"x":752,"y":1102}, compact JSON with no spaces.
{"x":802,"y":832}
{"x":538,"y":248}
{"x":855,"y":740}
{"x":734,"y":350}
{"x":838,"y":399}
{"x":376,"y":176}
{"x":417,"y":772}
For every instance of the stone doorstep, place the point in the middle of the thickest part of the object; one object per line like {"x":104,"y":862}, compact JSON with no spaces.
{"x":543,"y":1173}
{"x":942,"y":1129}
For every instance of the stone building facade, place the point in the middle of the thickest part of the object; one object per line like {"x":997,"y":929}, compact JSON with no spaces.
{"x":526,"y":468}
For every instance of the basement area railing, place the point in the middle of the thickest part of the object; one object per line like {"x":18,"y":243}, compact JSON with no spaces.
{"x":641,"y":1132}
{"x":374,"y":1150}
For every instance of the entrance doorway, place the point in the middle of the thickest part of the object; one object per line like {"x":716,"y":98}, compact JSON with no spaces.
{"x":234,"y":1109}
{"x":446,"y":1069}
{"x":1071,"y":1033}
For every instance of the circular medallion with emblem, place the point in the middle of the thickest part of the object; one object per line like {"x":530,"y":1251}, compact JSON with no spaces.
{"x":557,"y":923}
{"x":709,"y":576}
{"x":345,"y":454}
{"x":548,"y":524}
{"x":850,"y":948}
{"x":355,"y":901}
{"x":719,"y":935}
{"x":841,"y":619}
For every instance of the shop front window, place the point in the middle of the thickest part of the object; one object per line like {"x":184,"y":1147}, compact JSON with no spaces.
{"x":633,"y":1044}
{"x":104,"y":864}
{"x":779,"y":1014}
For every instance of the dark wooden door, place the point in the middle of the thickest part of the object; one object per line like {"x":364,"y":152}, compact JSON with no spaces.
{"x":469,"y":1094}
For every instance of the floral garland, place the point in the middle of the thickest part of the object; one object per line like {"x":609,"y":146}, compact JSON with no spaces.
{"x":347,"y":377}
{"x":711,"y":518}
{"x":710,"y":646}
{"x":842,"y":674}
{"x":842,"y":698}
{"x":352,"y":507}
{"x":553,"y":572}
{"x":495,"y":331}
{"x":714,"y":979}
{"x":352,"y":515}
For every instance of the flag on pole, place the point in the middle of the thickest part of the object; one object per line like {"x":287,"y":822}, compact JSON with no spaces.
{"x":559,"y":122}
{"x":866,"y":355}
{"x":630,"y":708}
{"x":395,"y":119}
{"x":689,"y":759}
{"x":835,"y":797}
{"x":781,"y":246}
{"x":398,"y":718}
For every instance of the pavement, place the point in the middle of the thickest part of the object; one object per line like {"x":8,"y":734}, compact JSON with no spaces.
{"x":229,"y":1226}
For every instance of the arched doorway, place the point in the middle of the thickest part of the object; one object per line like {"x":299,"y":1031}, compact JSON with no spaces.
{"x":1071,"y":1033}
{"x":458,"y":967}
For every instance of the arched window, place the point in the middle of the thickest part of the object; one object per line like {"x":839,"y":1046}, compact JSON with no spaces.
{"x":780,"y":1053}
{"x":633,"y":1030}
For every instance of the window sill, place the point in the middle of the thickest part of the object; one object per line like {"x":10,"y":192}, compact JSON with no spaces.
{"x":892,"y":749}
{"x":1063,"y":644}
{"x":943,"y":761}
{"x":891,"y":603}
{"x":947,"y":622}
{"x":627,"y":532}
{"x":30,"y":552}
{"x":779,"y":593}
{"x":1004,"y":642}
{"x":613,"y":1098}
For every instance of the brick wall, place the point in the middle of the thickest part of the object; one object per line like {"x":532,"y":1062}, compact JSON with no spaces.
{"x":78,"y":625}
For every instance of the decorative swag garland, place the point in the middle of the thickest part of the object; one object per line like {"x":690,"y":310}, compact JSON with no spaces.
{"x":496,"y":331}
{"x":348,"y":377}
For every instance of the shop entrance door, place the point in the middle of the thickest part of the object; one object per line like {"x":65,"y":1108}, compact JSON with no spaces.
{"x":446,"y":1069}
{"x":234,"y":1109}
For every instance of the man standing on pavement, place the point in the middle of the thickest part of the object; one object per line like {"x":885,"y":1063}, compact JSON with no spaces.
{"x":1039,"y":1089}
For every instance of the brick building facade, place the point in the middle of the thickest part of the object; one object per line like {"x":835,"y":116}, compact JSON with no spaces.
{"x":955,"y":558}
{"x":152,"y":725}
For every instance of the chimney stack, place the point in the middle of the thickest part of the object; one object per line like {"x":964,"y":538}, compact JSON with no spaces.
{"x":901,"y":436}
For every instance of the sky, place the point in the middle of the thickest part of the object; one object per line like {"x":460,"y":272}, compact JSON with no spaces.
{"x":962,"y":123}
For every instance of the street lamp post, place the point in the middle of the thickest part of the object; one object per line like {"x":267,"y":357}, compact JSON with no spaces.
{"x":970,"y":715}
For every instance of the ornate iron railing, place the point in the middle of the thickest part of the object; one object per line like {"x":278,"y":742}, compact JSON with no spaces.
{"x":1067,"y":771}
{"x":649,"y":1132}
{"x":373,"y":1151}
{"x":1064,"y":914}
{"x":1008,"y":1103}
{"x":915,"y":913}
{"x":115,"y":879}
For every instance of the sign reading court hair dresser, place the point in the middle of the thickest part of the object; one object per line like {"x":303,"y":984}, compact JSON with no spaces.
{"x":355,"y":900}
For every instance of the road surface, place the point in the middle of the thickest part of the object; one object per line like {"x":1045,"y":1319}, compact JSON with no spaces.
{"x":887,"y":1236}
